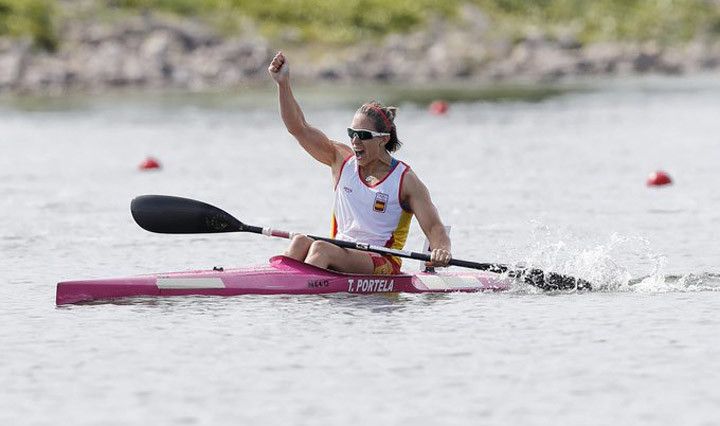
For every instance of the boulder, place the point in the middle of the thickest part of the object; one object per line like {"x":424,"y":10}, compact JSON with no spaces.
{"x":13,"y":56}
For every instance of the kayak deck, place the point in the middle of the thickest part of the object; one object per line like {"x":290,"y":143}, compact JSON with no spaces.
{"x":283,"y":276}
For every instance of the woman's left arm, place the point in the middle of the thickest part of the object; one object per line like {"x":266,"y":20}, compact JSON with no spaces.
{"x":415,"y":195}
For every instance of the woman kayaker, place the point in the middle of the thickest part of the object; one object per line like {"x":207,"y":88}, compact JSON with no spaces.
{"x":375,"y":194}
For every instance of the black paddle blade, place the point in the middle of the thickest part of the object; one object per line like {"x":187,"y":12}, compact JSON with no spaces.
{"x":553,"y":281}
{"x":175,"y":215}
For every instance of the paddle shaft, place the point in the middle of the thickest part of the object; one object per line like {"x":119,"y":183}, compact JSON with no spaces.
{"x":378,"y":249}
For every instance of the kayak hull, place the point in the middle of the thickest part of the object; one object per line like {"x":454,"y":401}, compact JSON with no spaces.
{"x":282,"y":276}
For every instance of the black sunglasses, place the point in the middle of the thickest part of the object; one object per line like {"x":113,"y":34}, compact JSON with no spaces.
{"x":363,"y":134}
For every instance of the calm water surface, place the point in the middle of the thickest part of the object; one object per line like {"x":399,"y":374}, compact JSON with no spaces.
{"x":557,"y":183}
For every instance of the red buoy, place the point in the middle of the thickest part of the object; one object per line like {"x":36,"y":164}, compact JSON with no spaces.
{"x":658,"y":178}
{"x":150,"y":163}
{"x":439,"y":107}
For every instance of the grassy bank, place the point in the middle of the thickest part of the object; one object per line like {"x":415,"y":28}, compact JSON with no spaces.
{"x":347,"y":21}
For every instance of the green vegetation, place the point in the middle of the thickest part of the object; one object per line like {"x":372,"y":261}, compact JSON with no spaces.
{"x":334,"y":21}
{"x":348,"y":21}
{"x":345,"y":21}
{"x":29,"y":18}
{"x":666,"y":21}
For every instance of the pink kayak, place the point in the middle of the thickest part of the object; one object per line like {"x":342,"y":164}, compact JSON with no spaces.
{"x":282,"y":276}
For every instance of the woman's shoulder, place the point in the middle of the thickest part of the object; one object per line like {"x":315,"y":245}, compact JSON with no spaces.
{"x":342,"y":152}
{"x":343,"y":155}
{"x":410,"y":180}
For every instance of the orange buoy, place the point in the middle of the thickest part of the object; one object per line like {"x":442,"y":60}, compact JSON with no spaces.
{"x":659,"y":178}
{"x":150,"y":163}
{"x":438,"y":107}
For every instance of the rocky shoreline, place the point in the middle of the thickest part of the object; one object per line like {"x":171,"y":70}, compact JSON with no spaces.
{"x":159,"y":53}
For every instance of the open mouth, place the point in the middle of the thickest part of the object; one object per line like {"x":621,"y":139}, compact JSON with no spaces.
{"x":359,"y":153}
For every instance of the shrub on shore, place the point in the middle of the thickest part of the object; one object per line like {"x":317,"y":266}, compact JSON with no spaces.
{"x":29,"y":18}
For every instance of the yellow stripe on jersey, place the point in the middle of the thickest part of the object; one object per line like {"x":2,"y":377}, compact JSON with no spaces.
{"x":333,"y":226}
{"x":399,"y":236}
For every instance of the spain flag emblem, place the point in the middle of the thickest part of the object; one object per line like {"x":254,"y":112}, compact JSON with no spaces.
{"x":381,"y":200}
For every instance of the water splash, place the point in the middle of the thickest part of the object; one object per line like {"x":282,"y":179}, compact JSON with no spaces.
{"x":624,"y":263}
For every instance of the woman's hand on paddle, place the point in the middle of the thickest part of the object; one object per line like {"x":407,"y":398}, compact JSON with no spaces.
{"x":279,"y":68}
{"x":440,"y":257}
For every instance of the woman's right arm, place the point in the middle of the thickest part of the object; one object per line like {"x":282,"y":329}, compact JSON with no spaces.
{"x":314,"y":141}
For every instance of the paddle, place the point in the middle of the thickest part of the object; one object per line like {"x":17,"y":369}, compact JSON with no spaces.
{"x":175,"y":215}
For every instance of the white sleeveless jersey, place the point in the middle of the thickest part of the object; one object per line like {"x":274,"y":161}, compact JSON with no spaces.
{"x":370,"y":214}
